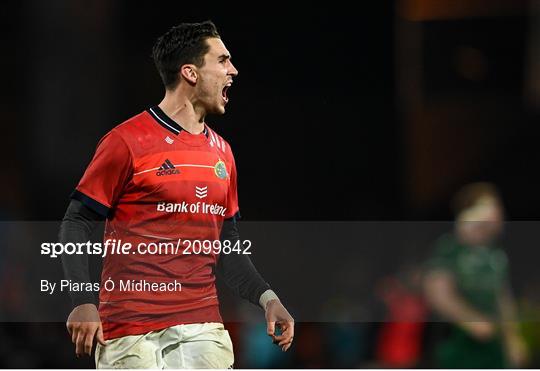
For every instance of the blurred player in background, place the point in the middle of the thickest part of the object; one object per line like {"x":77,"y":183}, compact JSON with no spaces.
{"x":467,"y":283}
{"x":161,"y":176}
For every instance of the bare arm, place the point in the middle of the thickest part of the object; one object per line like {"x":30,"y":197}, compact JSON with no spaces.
{"x":514,"y":345}
{"x":441,"y":294}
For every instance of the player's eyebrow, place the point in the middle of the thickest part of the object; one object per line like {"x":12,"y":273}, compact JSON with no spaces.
{"x":223,"y":57}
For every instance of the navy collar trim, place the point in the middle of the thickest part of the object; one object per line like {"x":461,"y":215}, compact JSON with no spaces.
{"x":167,"y":122}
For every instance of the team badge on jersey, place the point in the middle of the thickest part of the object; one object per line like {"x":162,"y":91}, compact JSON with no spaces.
{"x":220,"y":169}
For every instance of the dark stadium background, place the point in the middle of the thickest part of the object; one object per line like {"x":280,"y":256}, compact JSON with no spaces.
{"x":377,"y":112}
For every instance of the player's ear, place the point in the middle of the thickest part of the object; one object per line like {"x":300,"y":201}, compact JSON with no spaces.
{"x":189,"y":73}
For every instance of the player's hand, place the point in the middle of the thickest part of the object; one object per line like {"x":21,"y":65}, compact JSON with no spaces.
{"x":517,"y":351}
{"x":277,"y":315}
{"x":84,"y":325}
{"x":482,"y":331}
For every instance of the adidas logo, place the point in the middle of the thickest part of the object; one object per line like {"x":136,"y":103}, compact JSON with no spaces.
{"x":167,"y":168}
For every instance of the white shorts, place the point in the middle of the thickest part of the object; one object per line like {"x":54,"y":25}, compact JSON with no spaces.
{"x":199,"y":345}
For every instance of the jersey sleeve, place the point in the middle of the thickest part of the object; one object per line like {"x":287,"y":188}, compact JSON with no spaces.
{"x":444,"y":255}
{"x":106,"y":175}
{"x":232,"y":194}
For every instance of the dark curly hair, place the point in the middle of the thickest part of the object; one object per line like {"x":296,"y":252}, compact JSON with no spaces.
{"x":182,"y":44}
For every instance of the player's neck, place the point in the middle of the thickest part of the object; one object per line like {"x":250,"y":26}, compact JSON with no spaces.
{"x":181,"y":110}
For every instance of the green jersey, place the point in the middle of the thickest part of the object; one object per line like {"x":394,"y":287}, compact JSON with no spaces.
{"x":480,"y":273}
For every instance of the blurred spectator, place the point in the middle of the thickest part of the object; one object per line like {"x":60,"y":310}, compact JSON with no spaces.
{"x":467,"y":284}
{"x":257,"y":350}
{"x":399,"y":341}
{"x":309,"y":351}
{"x":346,"y":343}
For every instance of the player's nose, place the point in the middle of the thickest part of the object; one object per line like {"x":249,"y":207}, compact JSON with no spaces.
{"x":233,"y":71}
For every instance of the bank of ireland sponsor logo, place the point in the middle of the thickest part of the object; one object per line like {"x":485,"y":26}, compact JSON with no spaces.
{"x":220,"y":170}
{"x":199,"y":207}
{"x":184,"y":207}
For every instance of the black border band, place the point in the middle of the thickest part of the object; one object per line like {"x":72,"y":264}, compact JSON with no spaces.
{"x":91,"y":203}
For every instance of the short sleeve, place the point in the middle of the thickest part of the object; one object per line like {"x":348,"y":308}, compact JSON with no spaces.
{"x":106,"y":175}
{"x":443,"y":256}
{"x":232,"y":194}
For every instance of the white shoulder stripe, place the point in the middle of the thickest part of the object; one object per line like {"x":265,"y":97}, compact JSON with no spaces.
{"x":216,"y":140}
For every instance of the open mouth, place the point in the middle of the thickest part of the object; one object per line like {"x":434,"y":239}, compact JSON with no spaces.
{"x":224,"y":92}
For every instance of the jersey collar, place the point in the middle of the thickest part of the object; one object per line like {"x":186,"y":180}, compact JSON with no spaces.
{"x":167,"y":122}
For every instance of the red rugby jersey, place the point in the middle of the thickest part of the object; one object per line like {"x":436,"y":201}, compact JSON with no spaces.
{"x":157,"y":183}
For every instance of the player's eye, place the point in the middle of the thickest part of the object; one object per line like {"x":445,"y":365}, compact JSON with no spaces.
{"x":224,"y":60}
